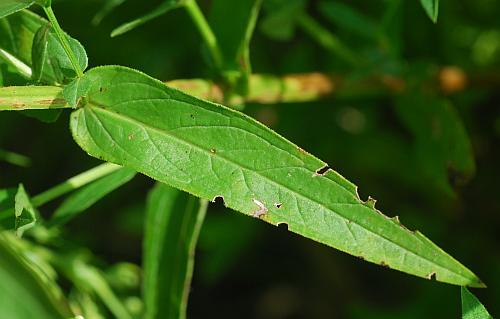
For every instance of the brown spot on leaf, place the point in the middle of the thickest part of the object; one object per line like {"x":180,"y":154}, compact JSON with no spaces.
{"x":261,"y":211}
{"x":213,"y":150}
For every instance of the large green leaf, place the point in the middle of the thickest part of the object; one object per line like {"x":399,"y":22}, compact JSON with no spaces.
{"x":472,"y":307}
{"x":431,"y":7}
{"x":209,"y":150}
{"x":24,"y":294}
{"x":8,"y":7}
{"x":173,"y":223}
{"x":90,"y":194}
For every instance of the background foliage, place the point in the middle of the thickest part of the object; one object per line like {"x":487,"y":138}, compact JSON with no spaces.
{"x":427,"y":151}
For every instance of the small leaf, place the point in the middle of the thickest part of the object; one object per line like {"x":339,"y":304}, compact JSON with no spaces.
{"x":431,"y":7}
{"x":160,"y":10}
{"x":348,"y":18}
{"x":472,"y":307}
{"x":8,"y":7}
{"x":234,"y":32}
{"x":89,"y":195}
{"x":39,"y":52}
{"x":210,"y":150}
{"x":24,"y":292}
{"x":173,"y":223}
{"x":26,"y":214}
{"x":107,"y":8}
{"x":280,"y":20}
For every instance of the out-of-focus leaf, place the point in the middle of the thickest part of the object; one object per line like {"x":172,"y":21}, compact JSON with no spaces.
{"x":23,"y":293}
{"x":107,"y":8}
{"x":8,"y":7}
{"x":25,"y":214}
{"x":234,"y":32}
{"x":90,"y":194}
{"x":173,"y":223}
{"x":14,"y":158}
{"x":7,"y":201}
{"x":280,"y":19}
{"x":472,"y":307}
{"x":349,"y":19}
{"x":89,"y":279}
{"x":158,"y":11}
{"x":210,"y":150}
{"x":442,"y":147}
{"x":431,"y":7}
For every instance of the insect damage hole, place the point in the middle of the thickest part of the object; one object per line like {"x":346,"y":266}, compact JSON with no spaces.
{"x":219,"y":200}
{"x":278,"y":205}
{"x":432,"y":276}
{"x":261,"y":211}
{"x":322,"y":171}
{"x":282,"y":226}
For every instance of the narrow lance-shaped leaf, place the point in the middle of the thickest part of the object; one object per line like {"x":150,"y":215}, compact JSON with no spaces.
{"x":160,"y":10}
{"x":90,"y":194}
{"x":173,"y":223}
{"x":472,"y":307}
{"x":431,"y":7}
{"x":209,"y":150}
{"x":23,"y":292}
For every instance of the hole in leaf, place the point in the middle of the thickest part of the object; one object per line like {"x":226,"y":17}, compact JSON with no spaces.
{"x":219,"y":200}
{"x":282,"y":226}
{"x":278,"y":205}
{"x":322,"y":171}
{"x":432,"y":276}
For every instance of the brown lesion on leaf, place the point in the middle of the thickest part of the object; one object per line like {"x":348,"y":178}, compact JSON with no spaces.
{"x":261,"y":211}
{"x":213,"y":151}
{"x":130,"y":137}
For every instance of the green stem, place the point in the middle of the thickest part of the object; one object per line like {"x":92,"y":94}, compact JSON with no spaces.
{"x":327,"y":40}
{"x":64,"y":40}
{"x":19,"y":65}
{"x":205,"y":31}
{"x":67,"y":186}
{"x":18,"y":98}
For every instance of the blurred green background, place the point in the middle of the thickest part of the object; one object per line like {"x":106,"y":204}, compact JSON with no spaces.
{"x":445,"y":183}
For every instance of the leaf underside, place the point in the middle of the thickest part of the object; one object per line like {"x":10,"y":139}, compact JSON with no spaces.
{"x":472,"y":307}
{"x":131,"y":119}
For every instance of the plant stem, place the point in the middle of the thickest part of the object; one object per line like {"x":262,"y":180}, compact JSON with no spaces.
{"x":205,"y":31}
{"x":18,"y":98}
{"x":326,"y":39}
{"x":19,"y":65}
{"x":63,"y":39}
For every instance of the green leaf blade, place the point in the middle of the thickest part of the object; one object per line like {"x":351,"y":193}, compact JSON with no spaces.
{"x":472,"y":307}
{"x":8,"y":7}
{"x":24,"y":293}
{"x":431,"y":7}
{"x":173,"y":224}
{"x":209,"y":150}
{"x":90,"y":194}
